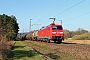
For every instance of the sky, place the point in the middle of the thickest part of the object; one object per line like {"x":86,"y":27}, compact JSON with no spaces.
{"x":73,"y":13}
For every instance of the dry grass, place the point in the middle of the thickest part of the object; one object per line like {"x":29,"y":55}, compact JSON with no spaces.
{"x":78,"y":41}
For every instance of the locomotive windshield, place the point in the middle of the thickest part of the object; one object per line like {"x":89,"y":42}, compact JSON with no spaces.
{"x":56,"y":27}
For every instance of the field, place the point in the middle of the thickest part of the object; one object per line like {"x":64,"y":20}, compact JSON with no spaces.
{"x":64,"y":51}
{"x":78,"y":41}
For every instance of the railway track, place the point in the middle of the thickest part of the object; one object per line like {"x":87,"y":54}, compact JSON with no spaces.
{"x":76,"y":50}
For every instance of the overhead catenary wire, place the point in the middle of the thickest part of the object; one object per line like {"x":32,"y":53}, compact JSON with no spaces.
{"x":58,"y":7}
{"x":36,"y":23}
{"x":76,"y":10}
{"x":77,"y":16}
{"x":65,"y":9}
{"x":69,"y":8}
{"x":53,"y":11}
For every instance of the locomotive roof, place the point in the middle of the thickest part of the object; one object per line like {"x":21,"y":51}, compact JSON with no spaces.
{"x":55,"y":24}
{"x":50,"y":25}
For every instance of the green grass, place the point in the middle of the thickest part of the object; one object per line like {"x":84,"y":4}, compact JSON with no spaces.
{"x":52,"y":54}
{"x":21,"y":52}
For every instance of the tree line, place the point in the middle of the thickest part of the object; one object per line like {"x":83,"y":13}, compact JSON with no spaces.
{"x":8,"y":26}
{"x":75,"y":34}
{"x":8,"y":31}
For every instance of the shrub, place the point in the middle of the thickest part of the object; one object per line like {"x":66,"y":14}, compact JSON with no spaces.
{"x":85,"y":36}
{"x":3,"y":47}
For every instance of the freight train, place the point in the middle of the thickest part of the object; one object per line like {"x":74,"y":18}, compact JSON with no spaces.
{"x":53,"y":32}
{"x":21,"y":36}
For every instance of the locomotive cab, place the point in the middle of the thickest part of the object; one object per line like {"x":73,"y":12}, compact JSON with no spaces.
{"x":57,"y":33}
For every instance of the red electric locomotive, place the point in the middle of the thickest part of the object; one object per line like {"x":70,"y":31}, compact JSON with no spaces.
{"x":52,"y":32}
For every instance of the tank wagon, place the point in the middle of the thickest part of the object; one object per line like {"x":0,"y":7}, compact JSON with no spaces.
{"x":21,"y":36}
{"x":32,"y":35}
{"x":53,"y":32}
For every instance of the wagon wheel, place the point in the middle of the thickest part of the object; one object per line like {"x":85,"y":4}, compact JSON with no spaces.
{"x":48,"y":40}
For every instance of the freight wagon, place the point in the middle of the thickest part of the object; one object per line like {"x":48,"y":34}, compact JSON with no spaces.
{"x":32,"y":35}
{"x":52,"y":32}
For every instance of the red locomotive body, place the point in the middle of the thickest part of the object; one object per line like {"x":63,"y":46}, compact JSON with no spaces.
{"x":52,"y":32}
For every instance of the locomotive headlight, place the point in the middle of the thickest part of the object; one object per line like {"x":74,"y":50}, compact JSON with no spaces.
{"x":53,"y":32}
{"x":61,"y":32}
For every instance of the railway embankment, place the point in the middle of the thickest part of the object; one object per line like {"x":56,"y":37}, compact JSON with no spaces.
{"x":35,"y":50}
{"x":63,"y":51}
